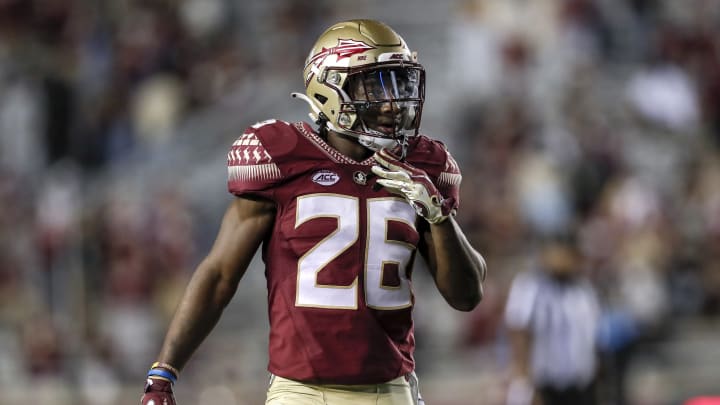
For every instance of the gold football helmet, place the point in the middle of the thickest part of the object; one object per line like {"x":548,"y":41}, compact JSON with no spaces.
{"x":362,"y":80}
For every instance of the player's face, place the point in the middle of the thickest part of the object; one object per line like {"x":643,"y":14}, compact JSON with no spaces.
{"x":381,"y":98}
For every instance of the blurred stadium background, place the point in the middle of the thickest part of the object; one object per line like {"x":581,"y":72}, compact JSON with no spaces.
{"x":115,"y":118}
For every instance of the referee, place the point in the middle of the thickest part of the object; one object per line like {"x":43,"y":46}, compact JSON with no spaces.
{"x":552,"y":315}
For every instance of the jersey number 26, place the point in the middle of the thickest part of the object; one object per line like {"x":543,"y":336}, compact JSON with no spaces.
{"x":381,"y":254}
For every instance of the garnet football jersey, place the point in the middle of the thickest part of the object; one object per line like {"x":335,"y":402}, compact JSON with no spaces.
{"x":339,"y":258}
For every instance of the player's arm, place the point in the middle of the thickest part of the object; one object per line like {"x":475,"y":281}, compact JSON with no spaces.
{"x":458,"y":269}
{"x":244,"y":226}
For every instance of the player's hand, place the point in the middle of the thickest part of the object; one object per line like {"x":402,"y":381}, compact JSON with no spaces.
{"x":158,"y":391}
{"x":414,"y":185}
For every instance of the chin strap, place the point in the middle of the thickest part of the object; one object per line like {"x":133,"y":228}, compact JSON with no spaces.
{"x":370,"y":142}
{"x":375,"y":144}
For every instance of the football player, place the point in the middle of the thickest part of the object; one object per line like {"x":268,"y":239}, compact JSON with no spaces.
{"x":341,"y":211}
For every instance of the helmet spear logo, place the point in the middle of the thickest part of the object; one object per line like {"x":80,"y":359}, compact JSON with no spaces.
{"x":344,"y":49}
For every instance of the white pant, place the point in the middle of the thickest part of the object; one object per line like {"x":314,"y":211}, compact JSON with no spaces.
{"x":400,"y":391}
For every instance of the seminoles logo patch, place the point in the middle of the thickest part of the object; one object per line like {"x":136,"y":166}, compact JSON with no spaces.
{"x":325,"y":178}
{"x":344,"y":49}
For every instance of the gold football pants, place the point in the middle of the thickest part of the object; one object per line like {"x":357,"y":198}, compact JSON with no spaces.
{"x":400,"y":391}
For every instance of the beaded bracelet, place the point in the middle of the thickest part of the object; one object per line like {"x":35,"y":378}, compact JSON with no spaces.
{"x":165,"y":374}
{"x":168,"y":367}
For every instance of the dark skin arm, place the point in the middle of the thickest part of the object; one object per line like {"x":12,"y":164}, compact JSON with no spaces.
{"x":457,"y":268}
{"x":212,"y":286}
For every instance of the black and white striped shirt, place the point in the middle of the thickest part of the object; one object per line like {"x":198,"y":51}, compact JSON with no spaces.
{"x":562,"y":318}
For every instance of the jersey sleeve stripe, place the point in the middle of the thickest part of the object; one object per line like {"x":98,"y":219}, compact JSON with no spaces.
{"x":268,"y":171}
{"x":449,"y":179}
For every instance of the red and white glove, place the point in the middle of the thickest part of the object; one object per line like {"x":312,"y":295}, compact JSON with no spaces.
{"x":158,"y":392}
{"x":158,"y":387}
{"x":414,"y":185}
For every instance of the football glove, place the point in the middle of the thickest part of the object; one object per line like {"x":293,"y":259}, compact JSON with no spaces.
{"x":158,"y":391}
{"x":414,"y":185}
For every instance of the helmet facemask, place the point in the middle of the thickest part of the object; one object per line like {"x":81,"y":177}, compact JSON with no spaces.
{"x":382,"y":104}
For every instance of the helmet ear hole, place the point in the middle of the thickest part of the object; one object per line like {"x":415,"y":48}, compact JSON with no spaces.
{"x":322,"y":99}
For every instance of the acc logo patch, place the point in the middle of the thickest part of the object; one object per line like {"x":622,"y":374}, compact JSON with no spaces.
{"x":325,"y":178}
